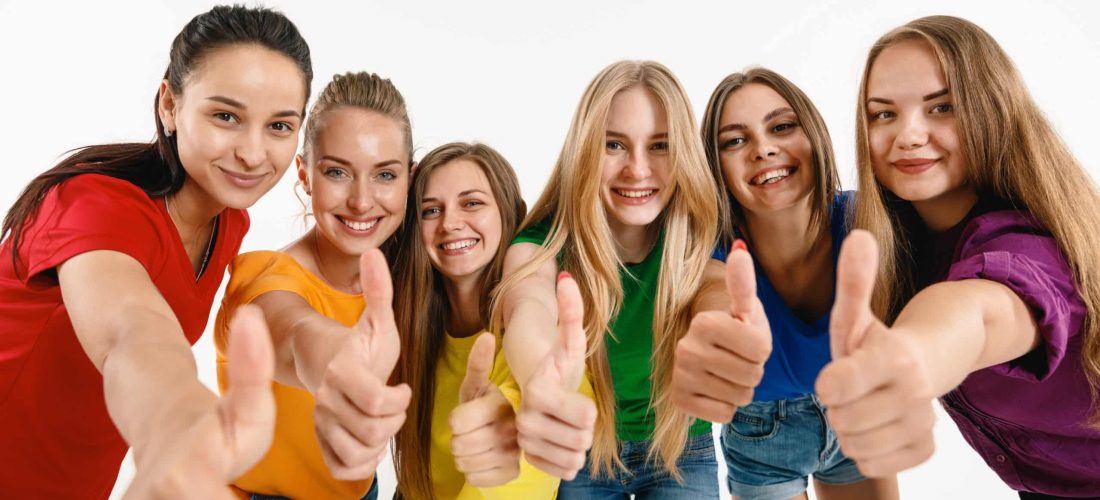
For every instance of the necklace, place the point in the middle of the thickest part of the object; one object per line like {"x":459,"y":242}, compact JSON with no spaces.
{"x":209,"y":244}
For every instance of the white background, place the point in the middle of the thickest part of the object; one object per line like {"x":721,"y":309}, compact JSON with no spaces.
{"x":510,"y":74}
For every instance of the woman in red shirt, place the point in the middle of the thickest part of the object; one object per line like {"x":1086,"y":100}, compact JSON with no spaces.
{"x":109,"y":267}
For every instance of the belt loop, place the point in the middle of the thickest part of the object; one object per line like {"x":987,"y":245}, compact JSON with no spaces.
{"x":781,"y":409}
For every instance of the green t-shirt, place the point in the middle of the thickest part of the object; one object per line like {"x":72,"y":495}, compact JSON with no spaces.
{"x":630,"y":351}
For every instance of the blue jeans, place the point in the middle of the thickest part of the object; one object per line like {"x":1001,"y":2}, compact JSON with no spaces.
{"x":372,"y":494}
{"x":772,"y":446}
{"x":649,"y":481}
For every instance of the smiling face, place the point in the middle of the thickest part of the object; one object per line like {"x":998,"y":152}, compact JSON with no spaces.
{"x":236,"y":122}
{"x":357,"y":175}
{"x":635,"y":185}
{"x":766,"y":157}
{"x":911,"y":126}
{"x":460,"y":221}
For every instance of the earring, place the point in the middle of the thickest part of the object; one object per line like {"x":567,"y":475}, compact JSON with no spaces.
{"x":167,"y":132}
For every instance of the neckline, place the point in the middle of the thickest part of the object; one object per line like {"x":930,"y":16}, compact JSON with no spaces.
{"x":316,"y":280}
{"x":182,"y":259}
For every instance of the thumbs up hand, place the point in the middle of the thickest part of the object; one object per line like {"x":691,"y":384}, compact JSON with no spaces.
{"x":483,"y":426}
{"x":720,"y":361}
{"x":555,"y":422}
{"x":356,"y":412}
{"x":877,"y":390}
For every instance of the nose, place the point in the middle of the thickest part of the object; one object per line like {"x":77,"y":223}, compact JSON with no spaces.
{"x":250,"y":149}
{"x":637,"y":167}
{"x":361,"y":198}
{"x":452,"y":221}
{"x":764,"y":149}
{"x":913,"y":133}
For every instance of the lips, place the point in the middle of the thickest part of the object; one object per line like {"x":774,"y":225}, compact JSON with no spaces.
{"x":772,"y":175}
{"x":243,"y":180}
{"x":914,"y":165}
{"x":458,"y":247}
{"x":359,"y":227}
{"x":634,"y":196}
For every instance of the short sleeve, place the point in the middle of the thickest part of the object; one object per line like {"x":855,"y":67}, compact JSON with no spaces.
{"x":93,"y":212}
{"x":1015,"y":252}
{"x":535,"y":233}
{"x":256,"y":273}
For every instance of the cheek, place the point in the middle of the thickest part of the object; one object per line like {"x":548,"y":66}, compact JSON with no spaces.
{"x":879,"y":140}
{"x":281,"y":152}
{"x":611,"y":168}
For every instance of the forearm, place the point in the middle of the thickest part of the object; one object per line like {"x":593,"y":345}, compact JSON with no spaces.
{"x":312,"y":345}
{"x":150,"y":382}
{"x":963,"y":326}
{"x":530,"y":329}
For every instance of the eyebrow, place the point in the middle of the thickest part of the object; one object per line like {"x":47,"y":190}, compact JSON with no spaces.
{"x":342,"y":161}
{"x":929,"y":97}
{"x":741,"y":126}
{"x":460,"y":195}
{"x":240,"y":105}
{"x":620,"y":135}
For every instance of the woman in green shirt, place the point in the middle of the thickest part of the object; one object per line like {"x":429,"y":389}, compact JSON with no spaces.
{"x":630,"y":193}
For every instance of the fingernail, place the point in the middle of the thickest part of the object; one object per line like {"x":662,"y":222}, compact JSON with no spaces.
{"x":564,"y":274}
{"x":739,"y":244}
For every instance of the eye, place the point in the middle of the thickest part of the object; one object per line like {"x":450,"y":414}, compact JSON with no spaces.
{"x":473,"y":203}
{"x":733,"y":142}
{"x":387,"y":175}
{"x":335,"y":173}
{"x":659,"y":146}
{"x":943,"y":107}
{"x":615,"y":146}
{"x":429,"y":212}
{"x":226,"y":117}
{"x":282,"y":127}
{"x":882,"y":115}
{"x":783,"y":127}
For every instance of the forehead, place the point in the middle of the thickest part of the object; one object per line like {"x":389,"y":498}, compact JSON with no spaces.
{"x":751,"y":103}
{"x":908,"y":66}
{"x":636,"y":110}
{"x":258,"y":77}
{"x":456,"y":177}
{"x":359,"y":134}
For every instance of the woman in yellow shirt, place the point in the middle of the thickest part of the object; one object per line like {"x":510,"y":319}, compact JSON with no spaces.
{"x":460,"y":440}
{"x":327,"y":298}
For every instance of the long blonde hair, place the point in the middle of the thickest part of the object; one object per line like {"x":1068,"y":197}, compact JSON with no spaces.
{"x":730,"y":213}
{"x":422,"y":307}
{"x":581,"y":235}
{"x":1011,"y":152}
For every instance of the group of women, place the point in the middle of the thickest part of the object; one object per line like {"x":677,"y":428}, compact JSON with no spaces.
{"x":669,"y":276}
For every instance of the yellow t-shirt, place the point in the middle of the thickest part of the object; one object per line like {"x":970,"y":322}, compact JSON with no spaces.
{"x":447,"y":482}
{"x":293,"y":466}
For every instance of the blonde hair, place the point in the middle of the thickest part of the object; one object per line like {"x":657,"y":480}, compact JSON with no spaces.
{"x":422,"y":307}
{"x":581,"y":235}
{"x":1011,"y":152}
{"x":366,"y":91}
{"x":730,"y":212}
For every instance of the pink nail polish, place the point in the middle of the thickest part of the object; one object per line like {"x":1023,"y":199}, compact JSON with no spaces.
{"x":564,"y":274}
{"x":739,"y":244}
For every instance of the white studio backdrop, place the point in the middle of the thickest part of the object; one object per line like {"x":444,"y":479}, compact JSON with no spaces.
{"x":510,"y":74}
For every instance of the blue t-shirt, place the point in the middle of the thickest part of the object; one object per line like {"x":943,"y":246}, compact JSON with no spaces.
{"x":799,"y":349}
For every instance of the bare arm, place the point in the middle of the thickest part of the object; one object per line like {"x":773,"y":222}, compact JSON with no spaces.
{"x":530,"y":312}
{"x":712,"y":294}
{"x":305,"y":341}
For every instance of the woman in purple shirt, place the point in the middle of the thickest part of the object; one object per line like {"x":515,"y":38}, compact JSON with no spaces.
{"x":989,"y":237}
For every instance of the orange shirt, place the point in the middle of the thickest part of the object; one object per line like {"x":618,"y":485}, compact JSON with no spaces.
{"x":293,"y":466}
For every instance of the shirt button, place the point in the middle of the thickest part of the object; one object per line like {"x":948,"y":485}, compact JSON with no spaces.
{"x":1001,"y":458}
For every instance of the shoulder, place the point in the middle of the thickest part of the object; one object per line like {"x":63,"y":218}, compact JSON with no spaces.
{"x":1012,"y":231}
{"x":254,"y":273}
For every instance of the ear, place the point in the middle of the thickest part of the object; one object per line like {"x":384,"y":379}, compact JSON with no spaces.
{"x":303,"y":176}
{"x":166,"y":106}
{"x":412,"y":169}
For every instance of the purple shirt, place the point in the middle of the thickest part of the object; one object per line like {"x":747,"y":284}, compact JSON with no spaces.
{"x":1025,"y":417}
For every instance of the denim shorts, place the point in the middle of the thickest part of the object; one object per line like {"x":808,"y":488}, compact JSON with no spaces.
{"x":372,"y":494}
{"x":650,"y":481}
{"x":772,"y":446}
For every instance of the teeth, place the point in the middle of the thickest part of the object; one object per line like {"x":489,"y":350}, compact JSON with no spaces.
{"x":359,"y":226}
{"x":456,"y":245}
{"x":635,"y":194}
{"x":771,"y":176}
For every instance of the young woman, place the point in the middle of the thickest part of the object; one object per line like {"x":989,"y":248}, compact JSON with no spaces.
{"x":768,"y":145}
{"x":988,"y":235}
{"x":328,"y":300}
{"x":110,"y":265}
{"x":460,"y":441}
{"x":630,"y":210}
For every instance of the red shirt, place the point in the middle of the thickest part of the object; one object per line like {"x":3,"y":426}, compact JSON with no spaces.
{"x":56,"y":438}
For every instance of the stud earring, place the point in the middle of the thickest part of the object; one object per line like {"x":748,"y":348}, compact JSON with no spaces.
{"x":168,"y":132}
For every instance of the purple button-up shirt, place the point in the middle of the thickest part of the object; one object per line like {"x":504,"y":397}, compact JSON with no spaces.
{"x":1025,"y":417}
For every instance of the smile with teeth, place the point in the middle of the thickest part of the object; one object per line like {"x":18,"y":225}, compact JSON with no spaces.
{"x":772,"y":176}
{"x":635,"y":193}
{"x":359,"y":225}
{"x":459,"y":245}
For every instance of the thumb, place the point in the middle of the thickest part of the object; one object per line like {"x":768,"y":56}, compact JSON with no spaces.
{"x":478,"y":366}
{"x":571,"y":346}
{"x":248,"y":408}
{"x":741,"y":281}
{"x":377,"y":320}
{"x":856,"y":269}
